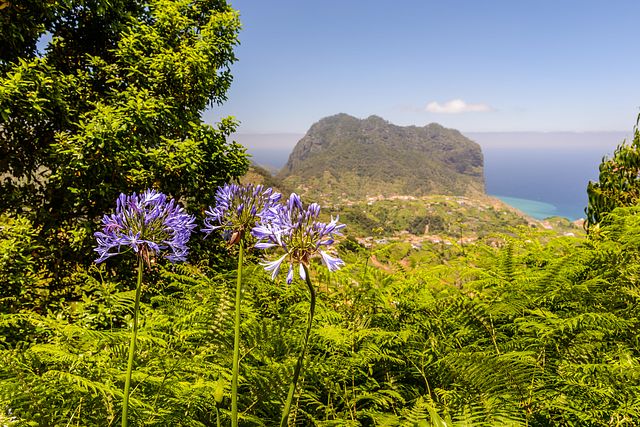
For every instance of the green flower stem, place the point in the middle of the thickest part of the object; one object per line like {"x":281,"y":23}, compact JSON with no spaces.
{"x":236,"y":342}
{"x":132,"y":344}
{"x":296,"y":372}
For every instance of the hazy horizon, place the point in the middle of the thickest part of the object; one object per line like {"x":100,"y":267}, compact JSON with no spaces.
{"x":606,"y":141}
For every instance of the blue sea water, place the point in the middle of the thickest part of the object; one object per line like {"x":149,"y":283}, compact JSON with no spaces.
{"x":538,"y":210}
{"x":271,"y":158}
{"x":542,"y":183}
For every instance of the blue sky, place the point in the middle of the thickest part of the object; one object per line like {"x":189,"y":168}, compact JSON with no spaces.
{"x":540,"y":65}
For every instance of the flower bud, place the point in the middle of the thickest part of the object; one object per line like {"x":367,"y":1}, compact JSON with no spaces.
{"x":218,"y":393}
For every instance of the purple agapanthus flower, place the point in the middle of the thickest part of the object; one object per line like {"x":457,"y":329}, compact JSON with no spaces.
{"x":238,"y":208}
{"x":148,"y":224}
{"x":298,"y":231}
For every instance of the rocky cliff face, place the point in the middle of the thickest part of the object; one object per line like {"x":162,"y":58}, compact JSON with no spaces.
{"x":345,"y":156}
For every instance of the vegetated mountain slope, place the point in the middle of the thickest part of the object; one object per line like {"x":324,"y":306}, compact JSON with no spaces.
{"x":257,"y":174}
{"x":345,"y":156}
{"x":413,"y":219}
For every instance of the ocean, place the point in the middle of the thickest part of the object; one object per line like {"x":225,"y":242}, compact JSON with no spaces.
{"x":541,"y":174}
{"x":544,"y":174}
{"x":542,"y":183}
{"x":539,"y":210}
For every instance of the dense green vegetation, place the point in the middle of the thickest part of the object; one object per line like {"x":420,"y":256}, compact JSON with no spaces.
{"x":442,"y":216}
{"x":521,"y":328}
{"x":518,"y":326}
{"x":618,"y":183}
{"x":344,"y":157}
{"x":113,"y":104}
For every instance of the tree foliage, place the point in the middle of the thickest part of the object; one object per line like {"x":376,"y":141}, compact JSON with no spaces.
{"x":113,"y":104}
{"x":619,"y":181}
{"x":20,"y":272}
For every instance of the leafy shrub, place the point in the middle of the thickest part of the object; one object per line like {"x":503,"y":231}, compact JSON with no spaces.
{"x":19,"y":266}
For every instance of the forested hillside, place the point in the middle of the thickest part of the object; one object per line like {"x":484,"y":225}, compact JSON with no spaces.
{"x":345,"y":157}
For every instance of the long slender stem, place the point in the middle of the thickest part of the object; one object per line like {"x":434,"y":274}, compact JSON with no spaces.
{"x":236,"y":342}
{"x":296,"y":372}
{"x":132,"y":345}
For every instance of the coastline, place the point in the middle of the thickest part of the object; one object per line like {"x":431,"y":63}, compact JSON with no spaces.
{"x":534,"y":208}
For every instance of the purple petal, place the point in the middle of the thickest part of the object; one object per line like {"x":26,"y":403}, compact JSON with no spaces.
{"x":294,"y":202}
{"x":264,"y":245}
{"x":332,"y":263}
{"x":273,"y":266}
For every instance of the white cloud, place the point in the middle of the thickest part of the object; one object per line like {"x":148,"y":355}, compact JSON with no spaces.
{"x":456,"y":106}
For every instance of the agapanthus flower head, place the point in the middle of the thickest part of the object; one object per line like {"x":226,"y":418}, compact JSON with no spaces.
{"x":298,"y":231}
{"x":148,"y":224}
{"x":238,"y":208}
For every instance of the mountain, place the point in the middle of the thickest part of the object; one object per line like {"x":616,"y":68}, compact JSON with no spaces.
{"x":395,"y":215}
{"x":349,"y":158}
